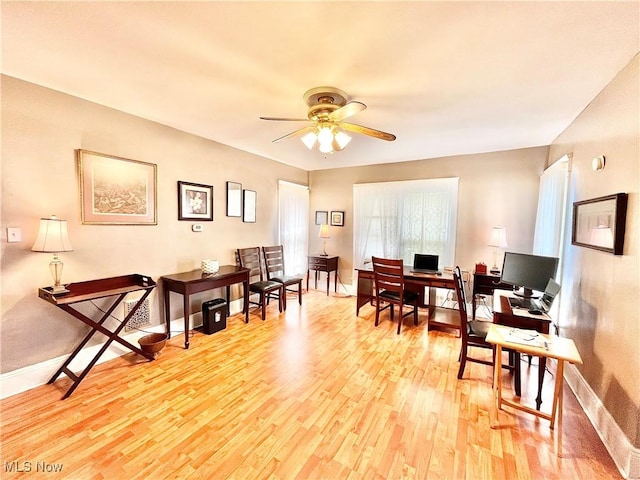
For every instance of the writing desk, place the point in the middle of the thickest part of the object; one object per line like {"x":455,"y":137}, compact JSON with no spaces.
{"x":503,"y":314}
{"x":188,"y":283}
{"x":414,"y":282}
{"x":79,"y":292}
{"x":561,"y":349}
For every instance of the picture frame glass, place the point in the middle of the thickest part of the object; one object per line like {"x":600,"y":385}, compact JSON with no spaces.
{"x":249,"y":206}
{"x":234,"y":199}
{"x":116,"y":190}
{"x":337,"y":219}
{"x":599,"y":223}
{"x":322,"y":217}
{"x":195,"y":201}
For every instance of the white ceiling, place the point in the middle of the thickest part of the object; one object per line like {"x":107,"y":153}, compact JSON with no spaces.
{"x":447,"y":78}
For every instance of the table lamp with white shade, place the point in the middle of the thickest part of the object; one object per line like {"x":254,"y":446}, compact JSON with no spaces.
{"x":53,"y":238}
{"x":324,"y":234}
{"x":498,"y":240}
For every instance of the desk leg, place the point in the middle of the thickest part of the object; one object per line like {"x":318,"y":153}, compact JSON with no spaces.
{"x":328,"y":281}
{"x":307,"y":279}
{"x":432,"y":302}
{"x":167,"y":310}
{"x":186,"y":310}
{"x":542,"y":365}
{"x":246,"y":294}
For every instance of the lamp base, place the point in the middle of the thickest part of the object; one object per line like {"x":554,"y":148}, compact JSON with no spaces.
{"x":58,"y":289}
{"x":494,"y":271}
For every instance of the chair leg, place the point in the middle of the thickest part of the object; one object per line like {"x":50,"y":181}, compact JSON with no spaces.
{"x":263,"y":304}
{"x":283,"y":296}
{"x":300,"y":293}
{"x":415,"y":315}
{"x":377,"y":311}
{"x":463,"y":360}
{"x":399,"y":319}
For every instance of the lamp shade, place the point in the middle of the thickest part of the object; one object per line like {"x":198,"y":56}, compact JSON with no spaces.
{"x":324,"y":231}
{"x":498,"y":237}
{"x":52,"y":236}
{"x":602,"y":236}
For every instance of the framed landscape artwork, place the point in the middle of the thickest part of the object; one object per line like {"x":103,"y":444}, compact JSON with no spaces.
{"x":116,"y":191}
{"x":195,"y":201}
{"x":599,"y":223}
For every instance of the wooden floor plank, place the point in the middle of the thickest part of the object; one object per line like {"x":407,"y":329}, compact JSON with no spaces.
{"x":312,"y":393}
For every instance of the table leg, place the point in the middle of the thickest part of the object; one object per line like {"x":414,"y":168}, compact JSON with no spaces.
{"x":497,"y":385}
{"x":542,"y":365}
{"x":246,"y":301}
{"x":307,"y":279}
{"x":315,"y":273}
{"x":186,"y":310}
{"x":228,"y":288}
{"x":335,"y":281}
{"x":556,"y":410}
{"x":328,"y":281}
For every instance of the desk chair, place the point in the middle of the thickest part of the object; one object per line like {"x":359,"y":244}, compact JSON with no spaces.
{"x":473,"y":333}
{"x":274,"y":266}
{"x":250,"y":258}
{"x":389,"y":285}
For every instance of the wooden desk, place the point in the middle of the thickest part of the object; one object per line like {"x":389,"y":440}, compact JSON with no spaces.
{"x":503,"y":314}
{"x":117,"y":287}
{"x":485,"y":284}
{"x":188,"y":283}
{"x":319,"y":263}
{"x":414,"y":282}
{"x":562,"y":349}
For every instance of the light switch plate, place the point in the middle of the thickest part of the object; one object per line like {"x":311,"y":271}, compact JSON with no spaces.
{"x":14,"y":234}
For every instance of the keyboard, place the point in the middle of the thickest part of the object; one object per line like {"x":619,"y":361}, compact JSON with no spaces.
{"x":526,"y":303}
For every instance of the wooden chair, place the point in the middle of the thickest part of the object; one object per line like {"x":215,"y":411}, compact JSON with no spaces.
{"x":473,"y":333}
{"x":250,"y":258}
{"x":390,"y":288}
{"x":274,"y":266}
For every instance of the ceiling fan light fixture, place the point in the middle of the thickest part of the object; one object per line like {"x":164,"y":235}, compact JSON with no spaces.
{"x":343,"y":139}
{"x":326,"y":147}
{"x":325,"y":135}
{"x":309,"y":139}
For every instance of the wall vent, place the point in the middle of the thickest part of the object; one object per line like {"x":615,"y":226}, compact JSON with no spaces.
{"x":140,"y":318}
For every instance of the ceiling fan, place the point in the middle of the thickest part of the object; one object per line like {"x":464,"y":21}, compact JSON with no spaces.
{"x":328,"y":107}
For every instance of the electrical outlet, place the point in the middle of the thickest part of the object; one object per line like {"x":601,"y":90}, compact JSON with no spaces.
{"x":14,"y":234}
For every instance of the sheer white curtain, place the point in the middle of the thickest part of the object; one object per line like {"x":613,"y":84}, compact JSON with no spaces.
{"x":399,"y":219}
{"x":293,"y":208}
{"x":552,"y":202}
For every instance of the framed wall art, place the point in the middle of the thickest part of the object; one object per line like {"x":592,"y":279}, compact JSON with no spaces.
{"x":322,"y":217}
{"x":249,"y":206}
{"x":234,"y":199}
{"x":599,"y":223}
{"x":116,"y":191}
{"x":337,"y":219}
{"x":195,"y":201}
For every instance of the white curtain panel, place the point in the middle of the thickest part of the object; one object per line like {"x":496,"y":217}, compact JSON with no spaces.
{"x":399,"y":219}
{"x":552,"y":200}
{"x":293,"y":208}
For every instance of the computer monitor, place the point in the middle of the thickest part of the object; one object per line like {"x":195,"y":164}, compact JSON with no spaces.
{"x":531,"y":272}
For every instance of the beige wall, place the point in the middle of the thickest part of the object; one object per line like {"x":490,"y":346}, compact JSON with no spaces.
{"x":499,"y":188}
{"x":600,"y":307}
{"x":41,"y":129}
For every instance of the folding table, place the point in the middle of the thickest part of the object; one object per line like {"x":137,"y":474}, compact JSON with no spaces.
{"x":117,"y":287}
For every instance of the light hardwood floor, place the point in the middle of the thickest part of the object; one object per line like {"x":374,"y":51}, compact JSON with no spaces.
{"x":312,"y":393}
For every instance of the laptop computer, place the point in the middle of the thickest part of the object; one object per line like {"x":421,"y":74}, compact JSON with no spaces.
{"x":544,"y":304}
{"x":423,"y":263}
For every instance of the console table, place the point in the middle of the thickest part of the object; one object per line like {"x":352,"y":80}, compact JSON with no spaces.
{"x":188,"y":283}
{"x":485,"y":284}
{"x":320,"y":263}
{"x":117,"y":287}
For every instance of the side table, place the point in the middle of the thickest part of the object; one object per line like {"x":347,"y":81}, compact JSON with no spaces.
{"x":321,"y":263}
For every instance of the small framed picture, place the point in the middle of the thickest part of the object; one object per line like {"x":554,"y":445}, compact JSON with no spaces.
{"x":234,"y":199}
{"x":337,"y":219}
{"x":195,"y":201}
{"x":322,"y":217}
{"x":249,"y":202}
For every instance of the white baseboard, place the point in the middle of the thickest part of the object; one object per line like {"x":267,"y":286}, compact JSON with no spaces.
{"x":26,"y":378}
{"x":624,"y":454}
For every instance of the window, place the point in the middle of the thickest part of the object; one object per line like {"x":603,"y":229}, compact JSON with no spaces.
{"x":293,"y":208}
{"x":399,"y":219}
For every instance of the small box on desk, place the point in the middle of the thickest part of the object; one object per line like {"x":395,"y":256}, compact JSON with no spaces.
{"x":481,"y":268}
{"x":214,"y":315}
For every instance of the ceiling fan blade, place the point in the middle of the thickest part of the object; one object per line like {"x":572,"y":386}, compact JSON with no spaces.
{"x":297,"y":133}
{"x":368,"y":131}
{"x":348,"y":110}
{"x":286,"y":119}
